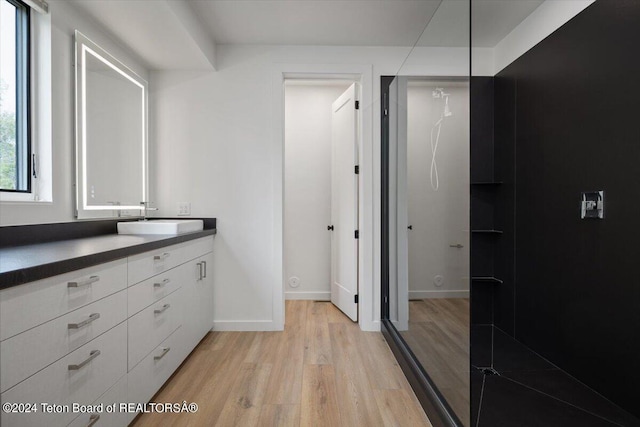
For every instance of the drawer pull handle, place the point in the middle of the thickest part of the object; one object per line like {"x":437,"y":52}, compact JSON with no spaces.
{"x":200,"y":270}
{"x":160,"y":284}
{"x":164,"y":351}
{"x":92,"y":317}
{"x":92,"y":355}
{"x":90,"y":280}
{"x":161,"y":257}
{"x":161,"y":310}
{"x":93,"y":419}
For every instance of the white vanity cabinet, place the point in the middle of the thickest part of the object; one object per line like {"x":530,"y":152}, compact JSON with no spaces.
{"x":112,"y":333}
{"x":198,"y":320}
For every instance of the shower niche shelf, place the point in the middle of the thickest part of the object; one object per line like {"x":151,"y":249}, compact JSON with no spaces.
{"x":486,"y":279}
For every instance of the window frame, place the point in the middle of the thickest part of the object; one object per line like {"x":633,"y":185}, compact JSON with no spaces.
{"x":25,"y":160}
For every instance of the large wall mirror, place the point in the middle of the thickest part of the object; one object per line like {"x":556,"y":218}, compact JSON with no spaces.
{"x":111,"y":134}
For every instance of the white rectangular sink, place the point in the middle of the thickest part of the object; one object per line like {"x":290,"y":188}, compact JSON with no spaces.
{"x":160,"y":226}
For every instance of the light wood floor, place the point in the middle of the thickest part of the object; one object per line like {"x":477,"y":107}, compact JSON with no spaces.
{"x":321,"y":371}
{"x":439,"y":337}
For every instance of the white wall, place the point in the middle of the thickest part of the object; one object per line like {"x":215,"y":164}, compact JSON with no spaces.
{"x":216,"y":148}
{"x":64,"y":21}
{"x":307,"y":188}
{"x":439,"y":218}
{"x":547,"y":18}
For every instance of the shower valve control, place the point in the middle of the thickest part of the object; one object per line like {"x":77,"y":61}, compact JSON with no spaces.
{"x":592,"y":205}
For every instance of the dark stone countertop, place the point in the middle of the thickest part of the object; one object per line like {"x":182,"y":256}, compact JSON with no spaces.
{"x":28,"y":263}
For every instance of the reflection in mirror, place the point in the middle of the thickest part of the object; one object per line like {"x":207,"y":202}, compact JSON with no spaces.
{"x":429,"y":229}
{"x":435,"y":197}
{"x":111,"y":134}
{"x":426,"y":141}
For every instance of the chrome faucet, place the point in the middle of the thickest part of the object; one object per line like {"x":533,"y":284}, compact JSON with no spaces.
{"x":144,"y":207}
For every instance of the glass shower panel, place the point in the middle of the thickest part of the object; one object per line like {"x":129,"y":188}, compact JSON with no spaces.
{"x":426,"y":231}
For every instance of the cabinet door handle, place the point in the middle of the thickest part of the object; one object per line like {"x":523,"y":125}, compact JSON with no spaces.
{"x":93,"y":419}
{"x":200,"y":276}
{"x":161,"y":310}
{"x":161,"y":257}
{"x":92,"y":317}
{"x":458,"y":246}
{"x":90,"y":280}
{"x":205,"y":268}
{"x":92,"y":355}
{"x":164,"y":352}
{"x":159,"y":284}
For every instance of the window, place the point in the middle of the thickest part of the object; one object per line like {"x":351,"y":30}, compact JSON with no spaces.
{"x":15,"y":146}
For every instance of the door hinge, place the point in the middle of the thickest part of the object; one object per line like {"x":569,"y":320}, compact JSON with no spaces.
{"x":357,"y":234}
{"x":386,"y":105}
{"x":34,"y":166}
{"x":357,"y":105}
{"x":357,"y":169}
{"x":355,"y":298}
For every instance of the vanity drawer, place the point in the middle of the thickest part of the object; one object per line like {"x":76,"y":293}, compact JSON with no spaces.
{"x":154,"y":289}
{"x":152,"y":325}
{"x":116,"y":394}
{"x":149,"y":264}
{"x":25,"y":354}
{"x":26,"y":306}
{"x":74,"y":378}
{"x":152,"y":372}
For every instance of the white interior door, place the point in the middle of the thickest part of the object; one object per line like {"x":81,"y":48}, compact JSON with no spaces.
{"x":344,"y":203}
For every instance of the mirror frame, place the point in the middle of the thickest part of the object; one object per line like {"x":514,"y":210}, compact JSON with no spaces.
{"x":82,"y":210}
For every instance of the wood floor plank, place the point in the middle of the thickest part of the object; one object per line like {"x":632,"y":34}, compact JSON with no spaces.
{"x":382,"y":368}
{"x":285,"y":383}
{"x":334,"y":315}
{"x":317,"y":349}
{"x":244,"y":404}
{"x":399,"y":410}
{"x":280,"y":416}
{"x":264,"y":348}
{"x":319,"y":398}
{"x":357,"y":403}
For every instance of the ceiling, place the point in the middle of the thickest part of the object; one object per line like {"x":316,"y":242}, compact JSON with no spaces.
{"x":159,"y":33}
{"x":312,"y":22}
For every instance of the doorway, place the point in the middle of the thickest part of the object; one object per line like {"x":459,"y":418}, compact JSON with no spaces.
{"x":321,"y":137}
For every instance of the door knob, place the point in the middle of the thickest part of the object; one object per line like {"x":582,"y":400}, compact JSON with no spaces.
{"x":330,"y":227}
{"x":410,"y":227}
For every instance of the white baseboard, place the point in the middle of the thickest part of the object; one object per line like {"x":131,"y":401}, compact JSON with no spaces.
{"x":246,"y":325}
{"x":315,"y":296}
{"x":438,"y":294}
{"x":371,"y":326}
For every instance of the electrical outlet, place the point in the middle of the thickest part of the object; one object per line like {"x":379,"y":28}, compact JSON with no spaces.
{"x":184,"y":208}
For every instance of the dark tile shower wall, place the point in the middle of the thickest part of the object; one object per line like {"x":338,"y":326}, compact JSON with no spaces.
{"x":567,"y":119}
